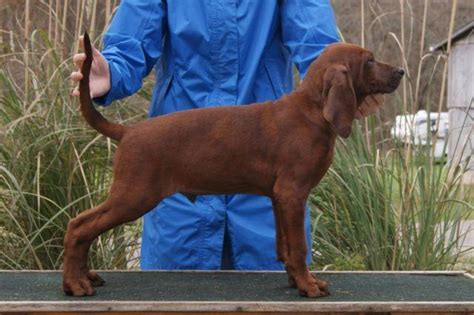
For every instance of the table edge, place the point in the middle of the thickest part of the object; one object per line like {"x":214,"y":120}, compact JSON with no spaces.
{"x":233,"y":306}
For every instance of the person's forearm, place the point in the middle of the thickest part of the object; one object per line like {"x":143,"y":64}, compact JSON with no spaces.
{"x":132,"y":45}
{"x":308,"y":27}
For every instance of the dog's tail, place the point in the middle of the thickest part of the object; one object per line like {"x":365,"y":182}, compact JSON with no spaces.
{"x":90,"y":114}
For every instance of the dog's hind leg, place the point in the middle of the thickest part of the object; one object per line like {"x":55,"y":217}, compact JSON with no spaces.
{"x":76,"y":245}
{"x":124,"y":204}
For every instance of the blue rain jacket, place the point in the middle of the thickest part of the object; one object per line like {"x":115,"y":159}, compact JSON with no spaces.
{"x":213,"y":53}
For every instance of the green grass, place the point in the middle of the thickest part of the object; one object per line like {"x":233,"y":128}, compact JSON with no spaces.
{"x":388,"y":210}
{"x":384,"y":206}
{"x":52,"y":166}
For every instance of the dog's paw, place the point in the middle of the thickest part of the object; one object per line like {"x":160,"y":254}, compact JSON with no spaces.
{"x":312,"y":287}
{"x":311,"y":291}
{"x":322,"y":285}
{"x":95,"y":279}
{"x":78,"y":287}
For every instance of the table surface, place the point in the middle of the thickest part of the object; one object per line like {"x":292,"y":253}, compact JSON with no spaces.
{"x":237,"y":291}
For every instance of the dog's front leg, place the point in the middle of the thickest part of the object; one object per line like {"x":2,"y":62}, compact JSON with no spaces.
{"x":289,"y":204}
{"x":282,"y":251}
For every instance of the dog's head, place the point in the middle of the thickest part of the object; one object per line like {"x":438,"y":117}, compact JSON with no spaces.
{"x":348,"y":73}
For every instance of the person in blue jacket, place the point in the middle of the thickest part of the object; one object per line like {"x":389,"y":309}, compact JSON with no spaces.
{"x":209,"y":53}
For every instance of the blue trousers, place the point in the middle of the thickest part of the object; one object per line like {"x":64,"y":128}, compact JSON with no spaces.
{"x":215,"y":232}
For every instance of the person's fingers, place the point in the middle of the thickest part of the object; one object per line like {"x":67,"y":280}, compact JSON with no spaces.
{"x":364,"y":101}
{"x":75,"y":92}
{"x":378,"y":98}
{"x":78,"y":59}
{"x":369,"y":105}
{"x":374,"y":99}
{"x":377,"y":102}
{"x":96,"y":53}
{"x":76,"y":76}
{"x":371,"y":101}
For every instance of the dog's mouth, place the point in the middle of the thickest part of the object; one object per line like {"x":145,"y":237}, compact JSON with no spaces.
{"x":392,"y":86}
{"x":393,"y":82}
{"x":387,"y":87}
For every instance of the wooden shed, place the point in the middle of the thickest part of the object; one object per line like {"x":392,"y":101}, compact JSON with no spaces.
{"x":461,"y":97}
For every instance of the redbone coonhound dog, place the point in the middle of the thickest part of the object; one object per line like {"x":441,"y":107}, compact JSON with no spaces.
{"x":280,"y":149}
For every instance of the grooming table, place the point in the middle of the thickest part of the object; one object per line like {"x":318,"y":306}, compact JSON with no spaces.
{"x":232,"y":291}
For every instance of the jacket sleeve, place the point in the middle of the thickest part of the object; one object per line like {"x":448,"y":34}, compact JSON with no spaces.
{"x":308,"y":26}
{"x":132,"y":45}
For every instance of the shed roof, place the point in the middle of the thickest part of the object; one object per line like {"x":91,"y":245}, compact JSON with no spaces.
{"x":462,"y":32}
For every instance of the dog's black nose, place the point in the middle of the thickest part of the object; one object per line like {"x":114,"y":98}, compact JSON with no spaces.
{"x":400,"y":71}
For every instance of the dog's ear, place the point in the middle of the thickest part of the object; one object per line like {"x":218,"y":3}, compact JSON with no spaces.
{"x":340,"y":103}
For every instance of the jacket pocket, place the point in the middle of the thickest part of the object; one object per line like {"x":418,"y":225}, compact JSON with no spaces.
{"x":271,"y":82}
{"x":276,"y":74}
{"x":160,"y":91}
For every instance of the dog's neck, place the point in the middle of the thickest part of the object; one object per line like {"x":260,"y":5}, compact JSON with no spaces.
{"x":309,"y":104}
{"x":309,"y":98}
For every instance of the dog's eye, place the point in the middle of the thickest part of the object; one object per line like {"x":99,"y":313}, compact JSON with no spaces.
{"x":371,"y":61}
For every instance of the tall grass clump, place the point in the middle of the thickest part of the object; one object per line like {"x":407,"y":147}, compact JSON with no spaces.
{"x":379,"y":210}
{"x":52,"y":166}
{"x":393,"y":206}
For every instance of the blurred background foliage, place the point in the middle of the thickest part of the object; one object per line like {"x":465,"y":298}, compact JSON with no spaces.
{"x":382,"y":206}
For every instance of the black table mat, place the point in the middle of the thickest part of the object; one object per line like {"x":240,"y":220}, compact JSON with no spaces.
{"x":240,"y":286}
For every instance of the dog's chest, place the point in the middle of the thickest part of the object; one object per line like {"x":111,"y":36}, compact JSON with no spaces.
{"x":322,"y":159}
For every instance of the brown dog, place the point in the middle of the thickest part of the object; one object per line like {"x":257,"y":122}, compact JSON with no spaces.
{"x":279,"y":149}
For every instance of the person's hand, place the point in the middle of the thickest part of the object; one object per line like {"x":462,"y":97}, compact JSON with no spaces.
{"x":99,"y":80}
{"x":369,"y":105}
